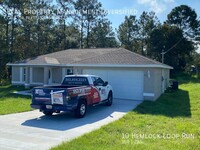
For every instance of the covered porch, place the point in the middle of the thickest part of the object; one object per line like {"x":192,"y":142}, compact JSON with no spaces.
{"x":41,"y":75}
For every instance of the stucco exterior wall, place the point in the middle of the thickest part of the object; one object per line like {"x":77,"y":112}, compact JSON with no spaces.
{"x":158,"y":82}
{"x":56,"y":75}
{"x":16,"y":74}
{"x":38,"y":75}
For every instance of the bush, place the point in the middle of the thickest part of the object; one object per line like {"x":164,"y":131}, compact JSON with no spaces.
{"x":4,"y":82}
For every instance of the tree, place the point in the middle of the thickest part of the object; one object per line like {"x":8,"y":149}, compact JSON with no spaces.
{"x":103,"y":33}
{"x":89,"y":13}
{"x":3,"y":48}
{"x":166,"y":37}
{"x":128,"y":33}
{"x":147,"y":23}
{"x":64,"y":6}
{"x":72,"y":37}
{"x":185,"y":18}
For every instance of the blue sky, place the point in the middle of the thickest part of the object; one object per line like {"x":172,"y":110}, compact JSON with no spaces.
{"x":160,"y":7}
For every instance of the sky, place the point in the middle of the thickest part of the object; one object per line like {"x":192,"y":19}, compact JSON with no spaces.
{"x":160,"y":7}
{"x":135,"y":7}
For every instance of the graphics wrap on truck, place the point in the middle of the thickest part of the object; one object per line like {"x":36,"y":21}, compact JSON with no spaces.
{"x":75,"y":94}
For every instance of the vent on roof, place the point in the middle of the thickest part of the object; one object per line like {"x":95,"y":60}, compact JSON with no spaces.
{"x":51,"y":60}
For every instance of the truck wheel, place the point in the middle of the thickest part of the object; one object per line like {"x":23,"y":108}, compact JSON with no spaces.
{"x":81,"y":109}
{"x":48,"y":113}
{"x":110,"y":99}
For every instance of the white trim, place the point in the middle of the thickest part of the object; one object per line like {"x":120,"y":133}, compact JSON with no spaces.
{"x":26,"y":84}
{"x":36,"y":83}
{"x":96,"y":65}
{"x":17,"y":82}
{"x":149,"y":94}
{"x":53,"y":84}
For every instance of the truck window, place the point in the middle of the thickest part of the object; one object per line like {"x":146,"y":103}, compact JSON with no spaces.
{"x":97,"y":81}
{"x":75,"y":81}
{"x":100,"y":82}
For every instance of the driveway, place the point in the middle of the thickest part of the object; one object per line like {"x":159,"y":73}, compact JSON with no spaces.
{"x":33,"y":130}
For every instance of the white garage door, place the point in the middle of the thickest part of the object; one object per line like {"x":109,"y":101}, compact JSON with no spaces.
{"x":127,"y":84}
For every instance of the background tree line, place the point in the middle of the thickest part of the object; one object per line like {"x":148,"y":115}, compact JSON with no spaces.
{"x":31,"y":28}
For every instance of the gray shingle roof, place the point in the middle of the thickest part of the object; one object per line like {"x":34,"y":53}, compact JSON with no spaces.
{"x":111,"y":56}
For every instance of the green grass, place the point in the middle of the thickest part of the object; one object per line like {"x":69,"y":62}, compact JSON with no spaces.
{"x":175,"y":117}
{"x":13,"y":103}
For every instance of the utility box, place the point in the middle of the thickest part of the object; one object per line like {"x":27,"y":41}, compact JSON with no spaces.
{"x":174,"y":85}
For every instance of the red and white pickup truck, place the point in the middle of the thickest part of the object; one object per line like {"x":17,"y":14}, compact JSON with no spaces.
{"x":74,"y":94}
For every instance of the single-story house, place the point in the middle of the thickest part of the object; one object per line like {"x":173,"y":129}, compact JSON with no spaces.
{"x":131,"y":75}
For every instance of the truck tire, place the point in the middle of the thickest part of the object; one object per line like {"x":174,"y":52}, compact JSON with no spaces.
{"x":81,"y":109}
{"x":110,"y":99}
{"x":48,"y":113}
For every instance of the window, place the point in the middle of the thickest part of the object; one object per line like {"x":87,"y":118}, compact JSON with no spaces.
{"x":97,"y":81}
{"x":100,"y":82}
{"x":70,"y":72}
{"x":75,"y":81}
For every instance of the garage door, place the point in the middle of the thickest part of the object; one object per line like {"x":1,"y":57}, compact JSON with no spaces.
{"x":127,"y":84}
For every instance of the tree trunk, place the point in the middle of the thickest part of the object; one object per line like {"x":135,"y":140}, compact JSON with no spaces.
{"x":7,"y":28}
{"x":12,"y":35}
{"x":88,"y":34}
{"x":81,"y":42}
{"x":64,"y":31}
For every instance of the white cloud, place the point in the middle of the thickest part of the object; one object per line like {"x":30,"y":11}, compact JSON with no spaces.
{"x":169,"y":1}
{"x":158,"y":6}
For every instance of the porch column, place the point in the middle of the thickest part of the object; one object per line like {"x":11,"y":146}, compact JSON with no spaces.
{"x":31,"y":75}
{"x":46,"y":75}
{"x":63,"y":72}
{"x":21,"y":74}
{"x":26,"y":77}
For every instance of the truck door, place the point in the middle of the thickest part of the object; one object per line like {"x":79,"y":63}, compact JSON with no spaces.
{"x":99,"y":84}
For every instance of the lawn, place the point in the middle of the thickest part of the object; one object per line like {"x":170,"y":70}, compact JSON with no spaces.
{"x":13,"y":103}
{"x":171,"y":122}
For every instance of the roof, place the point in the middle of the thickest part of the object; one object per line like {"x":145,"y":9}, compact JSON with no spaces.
{"x":92,"y":57}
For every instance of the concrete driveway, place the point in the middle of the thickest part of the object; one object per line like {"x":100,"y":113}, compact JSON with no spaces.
{"x":33,"y":130}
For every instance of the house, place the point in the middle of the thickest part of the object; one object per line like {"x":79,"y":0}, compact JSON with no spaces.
{"x":132,"y":76}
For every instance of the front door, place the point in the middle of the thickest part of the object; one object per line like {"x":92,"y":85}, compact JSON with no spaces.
{"x":50,"y":76}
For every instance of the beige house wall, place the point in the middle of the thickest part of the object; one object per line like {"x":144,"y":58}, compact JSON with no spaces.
{"x":16,"y":74}
{"x":158,"y":83}
{"x":56,"y":75}
{"x":37,"y":75}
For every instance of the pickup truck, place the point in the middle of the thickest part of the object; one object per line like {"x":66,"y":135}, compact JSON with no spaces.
{"x":75,"y":94}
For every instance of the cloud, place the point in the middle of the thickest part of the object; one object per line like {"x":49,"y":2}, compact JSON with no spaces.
{"x":169,"y":1}
{"x":158,"y":6}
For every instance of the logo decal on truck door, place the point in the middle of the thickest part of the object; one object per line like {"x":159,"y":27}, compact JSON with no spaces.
{"x":96,"y":95}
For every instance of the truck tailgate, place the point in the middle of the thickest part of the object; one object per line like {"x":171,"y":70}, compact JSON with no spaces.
{"x":49,"y":96}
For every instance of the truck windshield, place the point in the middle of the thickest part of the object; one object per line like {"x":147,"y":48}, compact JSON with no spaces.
{"x":75,"y":81}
